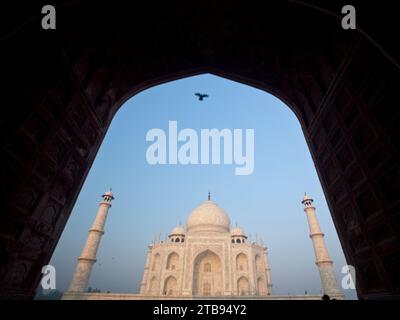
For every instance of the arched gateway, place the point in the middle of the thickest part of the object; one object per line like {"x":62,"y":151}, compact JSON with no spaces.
{"x":63,"y":91}
{"x":207,"y":275}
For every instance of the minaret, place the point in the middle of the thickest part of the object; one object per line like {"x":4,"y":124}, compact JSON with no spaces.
{"x":323,"y":260}
{"x":88,"y":255}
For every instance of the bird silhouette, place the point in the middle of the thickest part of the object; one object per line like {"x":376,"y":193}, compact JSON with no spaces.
{"x":201,"y":95}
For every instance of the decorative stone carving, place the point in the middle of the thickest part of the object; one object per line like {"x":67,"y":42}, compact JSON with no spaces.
{"x":27,"y":199}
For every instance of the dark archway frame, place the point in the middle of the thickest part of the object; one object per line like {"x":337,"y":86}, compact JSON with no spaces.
{"x":62,"y":90}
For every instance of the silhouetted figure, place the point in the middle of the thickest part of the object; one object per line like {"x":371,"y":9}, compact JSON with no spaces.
{"x":201,"y":95}
{"x":325,"y":297}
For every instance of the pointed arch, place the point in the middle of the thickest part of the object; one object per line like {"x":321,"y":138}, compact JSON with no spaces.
{"x":242,"y":262}
{"x":170,"y":286}
{"x":156,"y":262}
{"x":243,"y":286}
{"x":154,"y":286}
{"x":261,"y":286}
{"x":173,"y":261}
{"x":258,"y":263}
{"x":207,"y":274}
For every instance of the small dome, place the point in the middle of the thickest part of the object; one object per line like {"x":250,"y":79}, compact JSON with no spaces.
{"x":208,"y":217}
{"x":178,"y":230}
{"x":307,"y":197}
{"x":237,"y":231}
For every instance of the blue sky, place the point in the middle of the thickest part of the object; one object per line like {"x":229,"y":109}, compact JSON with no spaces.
{"x":152,"y":199}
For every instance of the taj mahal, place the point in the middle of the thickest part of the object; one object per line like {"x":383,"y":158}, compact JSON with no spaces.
{"x":205,"y":259}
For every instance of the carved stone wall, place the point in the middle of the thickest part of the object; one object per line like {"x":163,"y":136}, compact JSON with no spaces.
{"x":62,"y":88}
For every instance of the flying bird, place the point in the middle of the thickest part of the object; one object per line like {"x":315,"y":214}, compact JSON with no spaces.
{"x":201,"y":95}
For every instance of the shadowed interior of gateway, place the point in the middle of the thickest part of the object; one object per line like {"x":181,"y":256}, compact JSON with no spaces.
{"x":62,"y":90}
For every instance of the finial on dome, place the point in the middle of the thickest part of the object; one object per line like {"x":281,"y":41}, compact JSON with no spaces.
{"x":209,"y":195}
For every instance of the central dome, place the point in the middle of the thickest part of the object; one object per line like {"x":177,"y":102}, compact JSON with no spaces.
{"x":208,"y":217}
